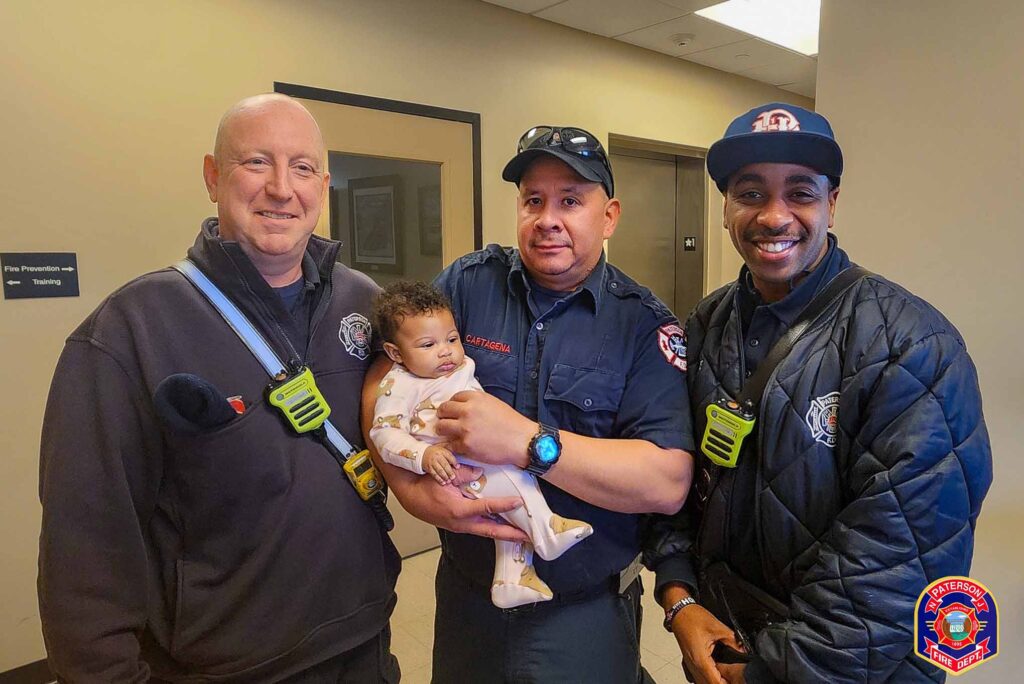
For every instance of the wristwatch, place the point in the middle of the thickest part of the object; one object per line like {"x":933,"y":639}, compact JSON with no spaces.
{"x":544,"y":450}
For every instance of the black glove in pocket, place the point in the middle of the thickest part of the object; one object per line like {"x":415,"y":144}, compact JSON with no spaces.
{"x":189,"y":404}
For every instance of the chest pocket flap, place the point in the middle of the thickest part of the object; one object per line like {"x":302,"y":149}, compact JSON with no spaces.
{"x":588,"y":389}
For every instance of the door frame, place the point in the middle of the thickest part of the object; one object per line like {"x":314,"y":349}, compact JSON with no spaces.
{"x":414,"y":109}
{"x":619,"y":143}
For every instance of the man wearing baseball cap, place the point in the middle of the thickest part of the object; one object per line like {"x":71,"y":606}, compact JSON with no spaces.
{"x":867,"y":457}
{"x":585,"y":388}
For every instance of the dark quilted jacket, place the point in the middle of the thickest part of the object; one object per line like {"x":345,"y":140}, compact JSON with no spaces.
{"x":849,"y":534}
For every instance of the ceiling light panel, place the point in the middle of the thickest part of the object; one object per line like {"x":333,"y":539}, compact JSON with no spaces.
{"x":790,"y":23}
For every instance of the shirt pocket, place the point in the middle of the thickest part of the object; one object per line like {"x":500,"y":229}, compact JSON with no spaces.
{"x":584,"y":399}
{"x":497,"y":373}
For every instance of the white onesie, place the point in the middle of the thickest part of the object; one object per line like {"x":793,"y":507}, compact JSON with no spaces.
{"x":404,"y":419}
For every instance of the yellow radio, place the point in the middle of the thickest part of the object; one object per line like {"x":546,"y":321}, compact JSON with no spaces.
{"x":362,"y":474}
{"x":728,"y":424}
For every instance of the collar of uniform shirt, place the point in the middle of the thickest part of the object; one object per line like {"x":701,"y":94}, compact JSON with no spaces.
{"x":310,"y":272}
{"x":593,"y":284}
{"x":788,"y":309}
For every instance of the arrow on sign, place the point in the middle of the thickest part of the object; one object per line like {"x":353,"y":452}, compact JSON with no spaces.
{"x":14,"y":282}
{"x":67,"y":268}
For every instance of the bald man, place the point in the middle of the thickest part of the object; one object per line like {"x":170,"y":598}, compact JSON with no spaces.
{"x":188,"y":533}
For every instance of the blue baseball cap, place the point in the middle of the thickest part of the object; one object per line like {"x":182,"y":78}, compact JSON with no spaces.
{"x":776,"y":132}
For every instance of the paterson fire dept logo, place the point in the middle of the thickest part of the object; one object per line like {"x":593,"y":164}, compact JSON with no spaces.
{"x":355,"y":334}
{"x":823,"y":419}
{"x":775,"y":120}
{"x":956,"y":624}
{"x":672,"y":343}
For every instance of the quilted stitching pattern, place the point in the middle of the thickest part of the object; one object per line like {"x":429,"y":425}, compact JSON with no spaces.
{"x":854,"y":533}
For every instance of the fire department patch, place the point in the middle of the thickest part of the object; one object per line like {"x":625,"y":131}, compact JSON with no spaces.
{"x":355,"y":334}
{"x":956,"y":624}
{"x":823,"y":418}
{"x":672,"y":342}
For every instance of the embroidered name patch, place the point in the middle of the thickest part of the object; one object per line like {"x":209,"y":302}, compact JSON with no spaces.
{"x":672,"y":343}
{"x":484,"y":343}
{"x":355,"y":334}
{"x":823,"y":418}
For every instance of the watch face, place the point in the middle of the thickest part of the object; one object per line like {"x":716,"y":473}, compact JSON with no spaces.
{"x":546,"y":448}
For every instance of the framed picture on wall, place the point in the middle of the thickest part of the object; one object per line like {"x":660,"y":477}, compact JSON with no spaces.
{"x":429,"y":205}
{"x":374,"y":208}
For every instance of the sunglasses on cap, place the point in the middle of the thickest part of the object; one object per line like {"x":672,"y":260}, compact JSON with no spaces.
{"x":576,"y":141}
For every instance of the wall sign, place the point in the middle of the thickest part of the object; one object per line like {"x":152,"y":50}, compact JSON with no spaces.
{"x":39,"y":274}
{"x":690,"y":243}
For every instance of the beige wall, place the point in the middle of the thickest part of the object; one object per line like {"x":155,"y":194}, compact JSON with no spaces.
{"x":927,"y":102}
{"x":109,"y":107}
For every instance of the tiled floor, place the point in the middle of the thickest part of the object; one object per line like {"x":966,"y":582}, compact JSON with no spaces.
{"x":412,"y":626}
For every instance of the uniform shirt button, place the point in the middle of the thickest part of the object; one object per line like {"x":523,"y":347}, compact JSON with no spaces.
{"x":754,"y":342}
{"x":614,"y":285}
{"x":540,"y":326}
{"x":588,"y":402}
{"x":748,"y":374}
{"x":533,"y":374}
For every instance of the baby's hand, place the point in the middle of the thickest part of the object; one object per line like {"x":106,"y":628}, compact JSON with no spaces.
{"x":439,"y":462}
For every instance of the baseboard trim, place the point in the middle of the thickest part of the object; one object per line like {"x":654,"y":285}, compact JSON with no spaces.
{"x":33,"y":673}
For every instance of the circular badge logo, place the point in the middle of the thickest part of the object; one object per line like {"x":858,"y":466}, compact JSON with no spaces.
{"x":956,"y":624}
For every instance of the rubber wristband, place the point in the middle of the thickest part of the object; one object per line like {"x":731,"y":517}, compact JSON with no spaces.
{"x":671,"y":613}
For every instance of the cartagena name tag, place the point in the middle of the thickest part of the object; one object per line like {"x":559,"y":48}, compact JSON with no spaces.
{"x":728,"y":424}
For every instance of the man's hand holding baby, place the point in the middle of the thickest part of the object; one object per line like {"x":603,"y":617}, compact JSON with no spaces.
{"x":485,"y":429}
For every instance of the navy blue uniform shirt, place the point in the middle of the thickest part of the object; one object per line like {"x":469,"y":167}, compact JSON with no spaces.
{"x":763,"y":325}
{"x":606,"y":360}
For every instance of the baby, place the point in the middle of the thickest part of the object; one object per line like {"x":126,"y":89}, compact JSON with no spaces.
{"x":419,"y":333}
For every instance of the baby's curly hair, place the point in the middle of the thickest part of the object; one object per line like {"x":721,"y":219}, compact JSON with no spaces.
{"x":402,"y":299}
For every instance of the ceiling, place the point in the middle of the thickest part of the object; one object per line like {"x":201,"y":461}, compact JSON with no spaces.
{"x":672,"y":28}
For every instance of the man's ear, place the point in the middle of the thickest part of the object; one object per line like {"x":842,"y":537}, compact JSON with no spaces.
{"x":833,"y":195}
{"x":392,"y":351}
{"x":211,"y":176}
{"x":612,"y":211}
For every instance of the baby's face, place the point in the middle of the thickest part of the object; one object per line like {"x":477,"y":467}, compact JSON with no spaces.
{"x":428,"y":345}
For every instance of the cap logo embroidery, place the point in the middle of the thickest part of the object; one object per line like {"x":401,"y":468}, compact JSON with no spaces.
{"x":775,"y":120}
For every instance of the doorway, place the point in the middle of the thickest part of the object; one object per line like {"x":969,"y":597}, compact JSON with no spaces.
{"x":661,"y":241}
{"x":404,"y":202}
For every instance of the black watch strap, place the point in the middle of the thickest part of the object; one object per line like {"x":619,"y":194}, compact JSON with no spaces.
{"x":544,"y":449}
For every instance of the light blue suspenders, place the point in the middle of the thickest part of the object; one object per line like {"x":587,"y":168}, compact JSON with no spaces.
{"x":335,"y":442}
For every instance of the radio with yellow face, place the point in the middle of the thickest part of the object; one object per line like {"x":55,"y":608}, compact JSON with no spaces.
{"x":728,"y":424}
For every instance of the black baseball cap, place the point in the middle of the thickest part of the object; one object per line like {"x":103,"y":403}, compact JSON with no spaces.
{"x":581,"y":150}
{"x":778,"y":133}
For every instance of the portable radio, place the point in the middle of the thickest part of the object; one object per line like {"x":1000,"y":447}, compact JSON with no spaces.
{"x":728,"y":424}
{"x":300,"y":401}
{"x":362,"y":474}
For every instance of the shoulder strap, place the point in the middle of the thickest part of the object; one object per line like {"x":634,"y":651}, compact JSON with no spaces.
{"x":754,"y":388}
{"x":250,"y":336}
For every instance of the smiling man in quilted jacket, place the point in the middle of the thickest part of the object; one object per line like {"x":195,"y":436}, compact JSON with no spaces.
{"x":863,"y":476}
